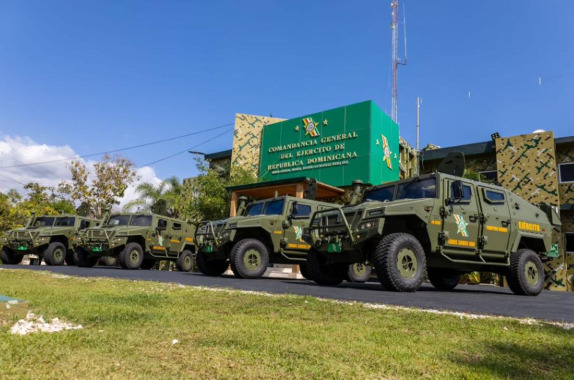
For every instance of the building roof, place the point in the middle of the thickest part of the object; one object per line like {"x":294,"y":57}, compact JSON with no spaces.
{"x":218,"y":155}
{"x":473,"y":149}
{"x":269,"y":189}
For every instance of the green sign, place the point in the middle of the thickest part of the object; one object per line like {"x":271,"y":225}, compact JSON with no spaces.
{"x":335,"y":147}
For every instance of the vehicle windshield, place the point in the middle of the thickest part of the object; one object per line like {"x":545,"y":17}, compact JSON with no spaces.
{"x":44,"y":221}
{"x":381,"y":194}
{"x":141,"y":220}
{"x":266,"y":208}
{"x":417,"y":188}
{"x":66,"y":221}
{"x":118,"y":220}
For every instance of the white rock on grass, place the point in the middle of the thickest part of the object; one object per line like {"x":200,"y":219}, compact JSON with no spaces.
{"x":34,"y":324}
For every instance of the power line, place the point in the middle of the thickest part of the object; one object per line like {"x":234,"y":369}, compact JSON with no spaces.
{"x":117,"y":150}
{"x":186,"y":150}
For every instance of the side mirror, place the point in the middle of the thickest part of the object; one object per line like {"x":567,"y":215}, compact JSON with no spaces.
{"x":457,"y":193}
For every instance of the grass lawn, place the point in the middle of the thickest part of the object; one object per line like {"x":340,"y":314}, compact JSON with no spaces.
{"x":129,"y":328}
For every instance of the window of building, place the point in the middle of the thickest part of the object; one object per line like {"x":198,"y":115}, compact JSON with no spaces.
{"x":566,"y":172}
{"x":490,"y":175}
{"x":570,"y":242}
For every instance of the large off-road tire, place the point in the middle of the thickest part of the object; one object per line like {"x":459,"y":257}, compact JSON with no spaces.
{"x":132,"y":256}
{"x":303,"y":270}
{"x":210,"y":267}
{"x":184,"y":262}
{"x":400,"y":262}
{"x":83,"y":258}
{"x":443,"y":279}
{"x":249,"y":258}
{"x":70,"y":258}
{"x":55,"y":254}
{"x":9,"y":257}
{"x":147,"y":264}
{"x":108,"y":261}
{"x":322,"y":273}
{"x":525,"y":276}
{"x":359,"y":273}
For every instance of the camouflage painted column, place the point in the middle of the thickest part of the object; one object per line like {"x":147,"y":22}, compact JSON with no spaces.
{"x":566,"y":154}
{"x":247,"y":140}
{"x":526,"y":165}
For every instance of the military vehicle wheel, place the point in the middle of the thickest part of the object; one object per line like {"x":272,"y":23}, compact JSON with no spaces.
{"x":400,"y":261}
{"x":70,"y":258}
{"x":55,"y":254}
{"x":147,"y":264}
{"x":443,"y":279}
{"x":83,"y":258}
{"x":525,"y":276}
{"x":249,"y":258}
{"x":210,"y":267}
{"x":108,"y":261}
{"x":132,"y":256}
{"x":8,"y":257}
{"x":359,"y":273}
{"x":303,"y":270}
{"x":323,"y":273}
{"x":184,"y":262}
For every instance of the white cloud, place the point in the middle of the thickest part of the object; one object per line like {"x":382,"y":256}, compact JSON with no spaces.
{"x":17,"y":151}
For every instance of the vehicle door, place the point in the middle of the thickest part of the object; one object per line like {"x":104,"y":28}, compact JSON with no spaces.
{"x":298,"y":214}
{"x":496,"y":220}
{"x":163,"y":236}
{"x":461,"y":221}
{"x":176,"y":238}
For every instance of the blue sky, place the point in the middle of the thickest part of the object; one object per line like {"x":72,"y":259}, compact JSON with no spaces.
{"x":100,"y":75}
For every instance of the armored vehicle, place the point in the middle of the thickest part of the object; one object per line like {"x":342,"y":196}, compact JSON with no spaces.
{"x":138,"y":240}
{"x":440,"y":223}
{"x":265,"y":231}
{"x":49,"y":237}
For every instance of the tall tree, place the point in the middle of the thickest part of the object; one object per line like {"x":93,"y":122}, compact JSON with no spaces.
{"x":104,"y":187}
{"x":170,"y":190}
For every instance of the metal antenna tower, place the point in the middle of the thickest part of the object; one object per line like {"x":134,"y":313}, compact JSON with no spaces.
{"x":395,"y":55}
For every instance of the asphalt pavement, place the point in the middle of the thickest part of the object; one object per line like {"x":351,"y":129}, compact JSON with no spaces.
{"x":476,"y":299}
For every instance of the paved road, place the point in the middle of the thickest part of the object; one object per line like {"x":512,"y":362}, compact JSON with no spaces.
{"x":552,"y":306}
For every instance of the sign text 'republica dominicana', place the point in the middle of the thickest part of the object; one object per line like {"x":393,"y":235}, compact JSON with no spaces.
{"x":335,"y":147}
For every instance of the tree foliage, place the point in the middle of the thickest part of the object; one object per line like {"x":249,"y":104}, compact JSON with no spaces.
{"x":169,"y":190}
{"x":205,"y":197}
{"x":16,"y":209}
{"x":104,"y":188}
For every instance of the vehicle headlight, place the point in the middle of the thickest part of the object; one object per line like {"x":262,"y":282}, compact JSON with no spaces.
{"x":369,"y":224}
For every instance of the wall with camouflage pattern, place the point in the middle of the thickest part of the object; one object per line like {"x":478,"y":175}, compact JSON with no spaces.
{"x":526,"y":165}
{"x":247,"y":140}
{"x":566,"y":190}
{"x":408,"y":159}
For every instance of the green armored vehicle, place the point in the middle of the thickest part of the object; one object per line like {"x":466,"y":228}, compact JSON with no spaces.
{"x":49,"y":237}
{"x":138,"y":240}
{"x":438,"y":223}
{"x":266,"y":231}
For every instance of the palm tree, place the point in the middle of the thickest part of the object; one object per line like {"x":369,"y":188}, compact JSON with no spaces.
{"x":170,"y":190}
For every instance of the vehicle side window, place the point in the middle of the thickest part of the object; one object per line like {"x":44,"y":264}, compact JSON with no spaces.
{"x":492,"y":196}
{"x":162,"y":224}
{"x":466,"y":193}
{"x":177,"y":226}
{"x":84,"y":224}
{"x":302,"y":210}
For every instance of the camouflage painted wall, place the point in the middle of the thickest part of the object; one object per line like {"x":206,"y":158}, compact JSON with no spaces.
{"x":526,"y":165}
{"x":247,"y":140}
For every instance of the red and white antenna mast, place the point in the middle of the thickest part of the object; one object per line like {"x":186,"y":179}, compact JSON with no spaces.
{"x":395,"y":55}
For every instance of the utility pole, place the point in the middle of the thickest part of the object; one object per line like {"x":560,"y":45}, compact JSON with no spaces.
{"x":395,"y":56}
{"x":418,"y":152}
